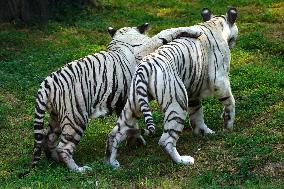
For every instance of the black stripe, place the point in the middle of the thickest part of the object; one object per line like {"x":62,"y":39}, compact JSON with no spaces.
{"x":164,"y":40}
{"x":193,"y":103}
{"x":224,"y":98}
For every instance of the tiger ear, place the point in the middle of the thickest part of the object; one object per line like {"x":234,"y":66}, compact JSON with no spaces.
{"x":143,"y":27}
{"x":111,"y":31}
{"x":232,"y":15}
{"x":206,"y":14}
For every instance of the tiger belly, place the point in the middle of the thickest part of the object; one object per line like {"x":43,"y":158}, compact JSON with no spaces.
{"x":206,"y":93}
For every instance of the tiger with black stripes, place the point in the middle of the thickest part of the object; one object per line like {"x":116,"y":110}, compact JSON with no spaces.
{"x":93,"y":86}
{"x":178,"y":76}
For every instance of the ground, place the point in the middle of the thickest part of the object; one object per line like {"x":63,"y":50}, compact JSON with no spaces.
{"x":250,"y":156}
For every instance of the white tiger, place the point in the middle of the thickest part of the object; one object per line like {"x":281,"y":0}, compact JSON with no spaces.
{"x":179,"y":75}
{"x":92,"y":86}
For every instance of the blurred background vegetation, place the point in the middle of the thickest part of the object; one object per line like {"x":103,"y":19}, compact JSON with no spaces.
{"x":35,"y":44}
{"x":40,"y":11}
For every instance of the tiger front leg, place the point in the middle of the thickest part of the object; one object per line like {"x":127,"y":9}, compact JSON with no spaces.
{"x":225,"y":96}
{"x":228,"y":112}
{"x":196,"y":116}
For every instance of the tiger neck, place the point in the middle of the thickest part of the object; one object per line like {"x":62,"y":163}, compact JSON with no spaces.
{"x":120,"y":46}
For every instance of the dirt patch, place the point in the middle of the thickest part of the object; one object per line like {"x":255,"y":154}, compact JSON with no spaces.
{"x":10,"y":98}
{"x":13,"y":105}
{"x":272,"y":169}
{"x":278,"y":9}
{"x":274,"y":31}
{"x":266,"y":114}
{"x":252,"y":9}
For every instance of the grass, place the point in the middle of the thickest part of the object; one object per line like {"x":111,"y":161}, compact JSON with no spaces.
{"x":251,"y":156}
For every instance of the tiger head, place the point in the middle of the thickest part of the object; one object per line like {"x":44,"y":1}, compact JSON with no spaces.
{"x":229,"y":29}
{"x":133,"y":36}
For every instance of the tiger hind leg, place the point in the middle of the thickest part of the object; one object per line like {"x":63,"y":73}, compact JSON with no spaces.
{"x":53,"y":133}
{"x":174,"y":104}
{"x":119,"y":133}
{"x":174,"y":123}
{"x":66,"y":147}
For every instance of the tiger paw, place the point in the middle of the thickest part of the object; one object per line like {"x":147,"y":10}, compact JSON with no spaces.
{"x":229,"y":125}
{"x":205,"y":130}
{"x":84,"y":169}
{"x":208,"y":131}
{"x":186,"y":160}
{"x":228,"y":120}
{"x":115,"y":164}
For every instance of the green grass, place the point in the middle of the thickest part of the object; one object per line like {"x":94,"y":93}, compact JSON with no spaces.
{"x":250,"y":156}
